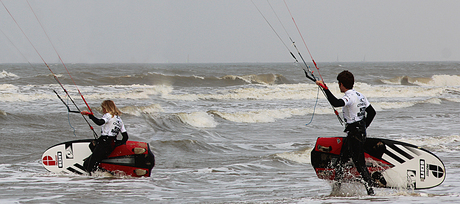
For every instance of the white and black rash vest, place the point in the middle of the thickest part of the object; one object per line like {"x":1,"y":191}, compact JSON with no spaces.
{"x":355,"y":106}
{"x":111,"y":126}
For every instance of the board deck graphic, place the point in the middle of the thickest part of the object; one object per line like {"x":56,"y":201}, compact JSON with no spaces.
{"x":392,"y":164}
{"x":133,"y":158}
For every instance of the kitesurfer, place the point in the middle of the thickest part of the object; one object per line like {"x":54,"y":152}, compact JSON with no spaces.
{"x":111,"y":124}
{"x":355,"y":106}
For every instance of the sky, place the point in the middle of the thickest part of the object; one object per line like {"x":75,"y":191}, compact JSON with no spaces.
{"x":228,"y":31}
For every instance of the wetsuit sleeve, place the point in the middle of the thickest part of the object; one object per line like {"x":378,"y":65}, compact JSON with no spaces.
{"x":370,"y":115}
{"x":123,"y":140}
{"x":125,"y":137}
{"x":96,"y":120}
{"x":333,"y":100}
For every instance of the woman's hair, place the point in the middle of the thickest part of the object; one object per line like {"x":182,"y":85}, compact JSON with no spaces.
{"x":110,"y":107}
{"x":346,"y":78}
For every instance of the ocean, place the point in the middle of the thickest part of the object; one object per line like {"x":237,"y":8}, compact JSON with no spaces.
{"x":221,"y":133}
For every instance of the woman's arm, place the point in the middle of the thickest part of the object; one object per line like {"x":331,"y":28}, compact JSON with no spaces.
{"x":93,"y":118}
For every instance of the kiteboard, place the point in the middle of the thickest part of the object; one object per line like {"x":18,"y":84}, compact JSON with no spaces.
{"x":392,"y":164}
{"x":131,"y":159}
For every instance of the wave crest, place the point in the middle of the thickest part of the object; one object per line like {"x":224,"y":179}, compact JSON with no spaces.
{"x":197,"y":119}
{"x":139,"y":110}
{"x":301,"y":157}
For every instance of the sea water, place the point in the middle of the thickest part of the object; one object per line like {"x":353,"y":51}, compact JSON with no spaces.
{"x":221,"y":133}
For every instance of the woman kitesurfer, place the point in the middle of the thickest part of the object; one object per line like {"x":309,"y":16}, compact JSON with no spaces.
{"x":355,"y":106}
{"x":111,"y":124}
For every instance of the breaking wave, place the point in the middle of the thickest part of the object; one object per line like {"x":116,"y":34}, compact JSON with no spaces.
{"x":5,"y":74}
{"x":435,"y":80}
{"x":177,"y":122}
{"x":198,"y":119}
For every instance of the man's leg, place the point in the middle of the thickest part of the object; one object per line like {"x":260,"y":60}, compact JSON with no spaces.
{"x":360,"y":164}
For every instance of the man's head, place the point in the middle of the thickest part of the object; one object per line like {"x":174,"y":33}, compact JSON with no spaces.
{"x":346,"y":78}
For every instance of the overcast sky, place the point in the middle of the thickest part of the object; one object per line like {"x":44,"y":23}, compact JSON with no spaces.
{"x":210,"y":31}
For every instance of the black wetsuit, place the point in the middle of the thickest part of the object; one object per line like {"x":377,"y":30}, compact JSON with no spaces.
{"x":358,"y":114}
{"x":105,"y":144}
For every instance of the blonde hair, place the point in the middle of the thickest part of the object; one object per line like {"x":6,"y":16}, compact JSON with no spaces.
{"x":110,"y":107}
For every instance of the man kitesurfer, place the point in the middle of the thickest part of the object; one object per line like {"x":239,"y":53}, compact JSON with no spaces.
{"x":355,"y":106}
{"x":111,"y":124}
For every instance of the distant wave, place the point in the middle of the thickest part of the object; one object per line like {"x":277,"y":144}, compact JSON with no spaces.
{"x":259,"y":79}
{"x":394,"y":94}
{"x":153,"y":78}
{"x":435,"y":80}
{"x":5,"y":74}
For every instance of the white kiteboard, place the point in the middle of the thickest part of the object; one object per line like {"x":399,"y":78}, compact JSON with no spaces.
{"x":392,"y":164}
{"x":132,"y":158}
